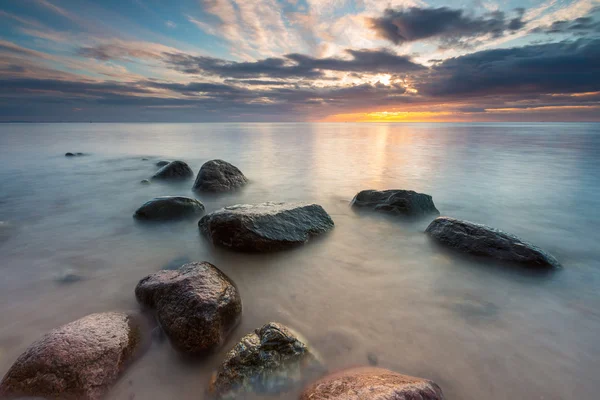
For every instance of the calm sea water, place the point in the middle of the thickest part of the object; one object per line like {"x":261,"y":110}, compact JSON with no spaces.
{"x":374,"y":287}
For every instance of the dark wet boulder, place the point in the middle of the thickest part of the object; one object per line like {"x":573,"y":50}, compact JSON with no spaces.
{"x":266,"y":226}
{"x":169,"y":207}
{"x":162,"y":163}
{"x":400,"y":202}
{"x":175,"y":170}
{"x":219,"y":176}
{"x":197,"y":306}
{"x":270,"y":360}
{"x":482,"y":240}
{"x":371,"y":383}
{"x":80,"y":360}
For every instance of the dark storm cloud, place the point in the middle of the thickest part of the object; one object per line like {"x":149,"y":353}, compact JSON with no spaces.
{"x":563,"y":67}
{"x":588,"y":25}
{"x":56,"y":86}
{"x":450,"y":26}
{"x":295,"y":65}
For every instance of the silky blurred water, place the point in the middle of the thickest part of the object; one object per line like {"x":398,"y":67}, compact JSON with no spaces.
{"x":375,"y":287}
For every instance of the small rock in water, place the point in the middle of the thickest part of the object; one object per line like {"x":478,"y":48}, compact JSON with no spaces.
{"x":162,"y":163}
{"x":145,"y":159}
{"x":68,"y":276}
{"x":400,"y":202}
{"x":219,"y":176}
{"x":169,"y":207}
{"x":270,"y":360}
{"x":482,"y":240}
{"x":176,"y":263}
{"x":372,"y":383}
{"x":79,"y":360}
{"x":175,"y":170}
{"x":197,"y":306}
{"x":145,"y":182}
{"x":266,"y":226}
{"x":69,"y":154}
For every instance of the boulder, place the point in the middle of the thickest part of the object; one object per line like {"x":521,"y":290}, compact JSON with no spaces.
{"x":196,"y":305}
{"x":270,"y":360}
{"x":79,"y":360}
{"x":399,"y":202}
{"x":219,"y":176}
{"x":169,"y":207}
{"x":174,"y":171}
{"x":266,"y":226}
{"x":162,"y":163}
{"x":371,"y":383}
{"x":482,"y":240}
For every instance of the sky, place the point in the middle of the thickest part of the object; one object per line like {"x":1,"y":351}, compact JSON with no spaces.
{"x":299,"y":60}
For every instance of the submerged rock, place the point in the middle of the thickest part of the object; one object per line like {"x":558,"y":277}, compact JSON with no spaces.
{"x":169,"y":207}
{"x":174,"y":170}
{"x":482,"y":240}
{"x":69,"y":154}
{"x":270,"y":360}
{"x":196,"y":305}
{"x":401,"y":202}
{"x":219,"y":176}
{"x":372,"y":383}
{"x":145,"y":182}
{"x":266,"y":226}
{"x":162,"y":163}
{"x":79,"y":360}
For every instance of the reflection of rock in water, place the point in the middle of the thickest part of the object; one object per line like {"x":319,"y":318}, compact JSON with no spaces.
{"x":271,"y":360}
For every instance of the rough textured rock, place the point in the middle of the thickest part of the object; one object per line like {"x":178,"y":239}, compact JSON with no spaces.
{"x":219,"y":176}
{"x":174,"y":170}
{"x":162,"y":163}
{"x":79,"y":360}
{"x":270,"y":360}
{"x":401,"y":202}
{"x":169,"y":207}
{"x":482,"y":240}
{"x":196,"y":305}
{"x":265,"y":226}
{"x":369,"y":383}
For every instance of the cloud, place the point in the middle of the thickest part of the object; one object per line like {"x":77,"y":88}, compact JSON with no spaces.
{"x":563,"y":67}
{"x":449,"y":26}
{"x":587,"y":25}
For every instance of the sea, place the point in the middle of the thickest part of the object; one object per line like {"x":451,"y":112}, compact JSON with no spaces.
{"x":375,"y":290}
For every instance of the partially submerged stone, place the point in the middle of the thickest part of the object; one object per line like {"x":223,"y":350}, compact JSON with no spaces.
{"x":272,"y":359}
{"x":145,"y":182}
{"x":481,"y":240}
{"x":162,"y":163}
{"x":176,"y":170}
{"x":197,"y":306}
{"x":79,"y":360}
{"x":368,"y":383}
{"x":169,"y":207}
{"x":266,"y":226}
{"x":219,"y":176}
{"x":400,"y":202}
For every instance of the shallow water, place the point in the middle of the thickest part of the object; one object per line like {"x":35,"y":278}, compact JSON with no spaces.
{"x":375,"y":287}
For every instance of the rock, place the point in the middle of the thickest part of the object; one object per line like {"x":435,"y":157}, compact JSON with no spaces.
{"x":145,"y":182}
{"x":219,"y":176}
{"x":68,"y":276}
{"x":196,"y":305}
{"x":482,"y":240}
{"x":162,"y":163}
{"x":79,"y":360}
{"x":266,"y":226}
{"x":169,"y":207}
{"x":366,"y":383}
{"x":69,"y":155}
{"x":270,"y":360}
{"x":174,"y":170}
{"x":400,"y":202}
{"x":79,"y":154}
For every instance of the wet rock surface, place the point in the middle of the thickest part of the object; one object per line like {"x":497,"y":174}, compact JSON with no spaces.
{"x":266,"y":226}
{"x":219,"y":176}
{"x":169,"y":207}
{"x":79,"y":360}
{"x":400,"y":202}
{"x":196,"y":305}
{"x":481,"y":240}
{"x":176,"y":170}
{"x":272,"y":359}
{"x":372,"y":383}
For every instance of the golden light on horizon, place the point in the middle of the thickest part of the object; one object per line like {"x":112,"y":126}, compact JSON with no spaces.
{"x":390,"y":116}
